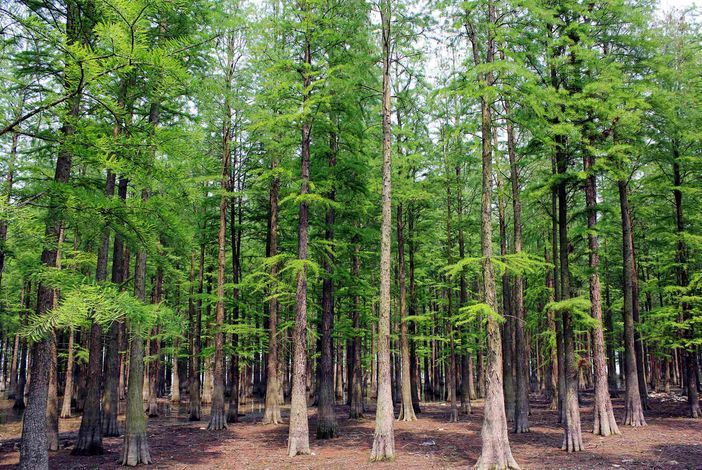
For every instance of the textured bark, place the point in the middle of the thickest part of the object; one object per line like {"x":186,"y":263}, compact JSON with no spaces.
{"x":326,"y":417}
{"x":298,"y":436}
{"x":235,"y":228}
{"x":113,"y":365}
{"x":89,"y":440}
{"x":195,"y":408}
{"x":271,"y":413}
{"x":52,"y":422}
{"x":68,"y":386}
{"x":414,"y":362}
{"x":33,"y":448}
{"x":14,"y":367}
{"x":406,"y":408}
{"x":217,"y":416}
{"x":384,"y":435}
{"x":356,"y":409}
{"x":604,"y":423}
{"x":508,"y":325}
{"x":572,"y":435}
{"x":135,"y":448}
{"x":683,"y":280}
{"x":452,"y":372}
{"x":495,"y":452}
{"x":633,"y":409}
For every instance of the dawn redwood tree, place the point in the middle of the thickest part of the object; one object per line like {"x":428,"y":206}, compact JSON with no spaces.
{"x":633,"y":408}
{"x":496,"y":451}
{"x":384,"y":436}
{"x":34,"y":446}
{"x":521,"y":405}
{"x":90,"y":434}
{"x":298,"y":436}
{"x":605,"y":424}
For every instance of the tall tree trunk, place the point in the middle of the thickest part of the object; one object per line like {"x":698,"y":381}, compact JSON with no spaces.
{"x":406,"y":408}
{"x":271,"y":414}
{"x":195,"y":314}
{"x":326,"y":416}
{"x":605,"y":424}
{"x":572,"y":435}
{"x":90,"y":434}
{"x":135,"y":449}
{"x":414,"y":361}
{"x":298,"y":437}
{"x":384,"y":436}
{"x":521,"y":409}
{"x":633,"y":409}
{"x":496,"y":452}
{"x":113,"y":365}
{"x":33,"y":448}
{"x":218,"y":419}
{"x":52,"y":422}
{"x":68,"y":386}
{"x":683,"y":281}
{"x":356,"y":410}
{"x":467,"y":386}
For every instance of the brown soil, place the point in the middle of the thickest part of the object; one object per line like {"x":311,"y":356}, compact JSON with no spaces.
{"x":670,"y":441}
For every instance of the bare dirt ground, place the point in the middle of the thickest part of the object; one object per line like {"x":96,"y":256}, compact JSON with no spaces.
{"x":670,"y":441}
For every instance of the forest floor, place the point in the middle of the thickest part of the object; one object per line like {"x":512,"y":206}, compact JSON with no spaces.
{"x":670,"y":441}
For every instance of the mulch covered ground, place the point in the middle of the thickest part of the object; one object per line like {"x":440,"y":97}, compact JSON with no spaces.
{"x":670,"y":441}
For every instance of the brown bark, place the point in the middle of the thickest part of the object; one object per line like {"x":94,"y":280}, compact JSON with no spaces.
{"x":326,"y":416}
{"x":68,"y":386}
{"x":135,"y":448}
{"x":604,"y":423}
{"x":496,"y":452}
{"x":113,"y":365}
{"x":356,"y":409}
{"x":406,"y":408}
{"x":195,"y":314}
{"x":633,"y":409}
{"x":89,"y":440}
{"x":271,"y":414}
{"x":384,"y":436}
{"x":298,"y":436}
{"x":521,"y":409}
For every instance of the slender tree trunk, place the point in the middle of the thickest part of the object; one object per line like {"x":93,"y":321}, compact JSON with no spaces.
{"x":68,"y":387}
{"x":356,"y":410}
{"x":605,"y":424}
{"x":384,"y":436}
{"x":217,"y":415}
{"x":52,"y":422}
{"x":406,"y":408}
{"x":572,"y":435}
{"x":195,"y":413}
{"x":521,"y":410}
{"x":271,"y":413}
{"x":508,"y":325}
{"x":113,"y":365}
{"x":415,"y":381}
{"x":633,"y":409}
{"x":135,"y":449}
{"x":683,"y":280}
{"x":326,"y":416}
{"x":298,"y":437}
{"x":90,"y":434}
{"x":496,"y":452}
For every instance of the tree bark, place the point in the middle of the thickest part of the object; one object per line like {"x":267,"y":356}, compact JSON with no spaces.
{"x":604,"y":423}
{"x":633,"y":409}
{"x":113,"y":365}
{"x":298,"y":437}
{"x":68,"y":386}
{"x":406,"y":408}
{"x":384,"y":435}
{"x":495,"y":452}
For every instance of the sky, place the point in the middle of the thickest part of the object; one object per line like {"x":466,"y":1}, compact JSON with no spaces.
{"x":667,"y":4}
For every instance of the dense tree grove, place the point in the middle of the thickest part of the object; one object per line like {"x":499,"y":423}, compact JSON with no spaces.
{"x":318,"y":203}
